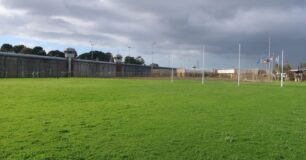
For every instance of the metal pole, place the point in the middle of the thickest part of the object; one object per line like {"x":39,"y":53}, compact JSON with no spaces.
{"x":203,"y":65}
{"x":129,"y":54}
{"x":278,"y":68}
{"x":172,"y":71}
{"x":282,"y":74}
{"x":154,"y":43}
{"x":269,"y":67}
{"x":169,"y":62}
{"x":92,"y":44}
{"x":129,"y":50}
{"x":239,"y":64}
{"x":272,"y":68}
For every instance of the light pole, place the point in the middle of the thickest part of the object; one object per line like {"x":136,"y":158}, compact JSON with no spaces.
{"x":239,"y":54}
{"x":269,"y":60}
{"x":282,"y":74}
{"x":153,"y":44}
{"x":172,"y":69}
{"x":92,"y":45}
{"x":129,"y":47}
{"x":203,"y":65}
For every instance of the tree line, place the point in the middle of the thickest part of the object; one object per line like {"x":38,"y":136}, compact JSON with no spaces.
{"x":92,"y":55}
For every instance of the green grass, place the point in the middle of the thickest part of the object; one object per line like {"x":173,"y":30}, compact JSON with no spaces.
{"x":150,"y":119}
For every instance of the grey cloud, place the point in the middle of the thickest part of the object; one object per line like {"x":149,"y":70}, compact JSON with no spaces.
{"x":178,"y":26}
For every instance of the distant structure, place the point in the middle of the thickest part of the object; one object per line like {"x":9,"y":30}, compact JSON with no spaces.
{"x":231,"y":73}
{"x":181,"y":72}
{"x":33,"y":66}
{"x":154,"y":65}
{"x":118,"y":58}
{"x":70,"y":53}
{"x":184,"y":73}
{"x":297,"y":74}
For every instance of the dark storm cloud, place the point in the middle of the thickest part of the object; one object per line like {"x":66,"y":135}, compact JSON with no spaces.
{"x":178,"y":26}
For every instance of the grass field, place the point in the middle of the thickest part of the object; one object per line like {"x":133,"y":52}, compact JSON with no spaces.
{"x":150,"y":119}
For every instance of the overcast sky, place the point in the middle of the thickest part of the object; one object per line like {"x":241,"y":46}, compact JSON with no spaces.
{"x":179,"y":28}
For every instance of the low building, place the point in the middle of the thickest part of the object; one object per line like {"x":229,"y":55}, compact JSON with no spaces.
{"x":191,"y":73}
{"x":227,"y":73}
{"x":181,"y":72}
{"x":297,"y":74}
{"x":163,"y":71}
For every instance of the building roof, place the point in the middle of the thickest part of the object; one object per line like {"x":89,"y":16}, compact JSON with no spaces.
{"x":298,"y":70}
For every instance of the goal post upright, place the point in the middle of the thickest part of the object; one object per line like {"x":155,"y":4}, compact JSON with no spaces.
{"x":172,"y":69}
{"x":203,"y":66}
{"x":239,"y":67}
{"x":282,"y":74}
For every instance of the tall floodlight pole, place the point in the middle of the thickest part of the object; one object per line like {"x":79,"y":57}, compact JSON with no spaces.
{"x":129,"y":50}
{"x":153,"y":44}
{"x":278,"y":62}
{"x":172,"y":70}
{"x":269,"y":68}
{"x":129,"y":54}
{"x":203,"y":65}
{"x":282,"y":74}
{"x":273,"y":65}
{"x":239,"y":67}
{"x":92,"y":45}
{"x":169,"y":61}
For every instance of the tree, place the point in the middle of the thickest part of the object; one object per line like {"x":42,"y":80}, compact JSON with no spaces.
{"x":129,"y":60}
{"x":96,"y":55}
{"x":140,"y":60}
{"x":18,"y":48}
{"x":39,"y":51}
{"x":6,"y":48}
{"x":56,"y":53}
{"x":26,"y":50}
{"x":132,"y":60}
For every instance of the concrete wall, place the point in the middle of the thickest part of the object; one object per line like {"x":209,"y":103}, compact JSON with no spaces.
{"x":135,"y":70}
{"x":84,"y":68}
{"x":163,"y":72}
{"x":23,"y":66}
{"x":27,"y":66}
